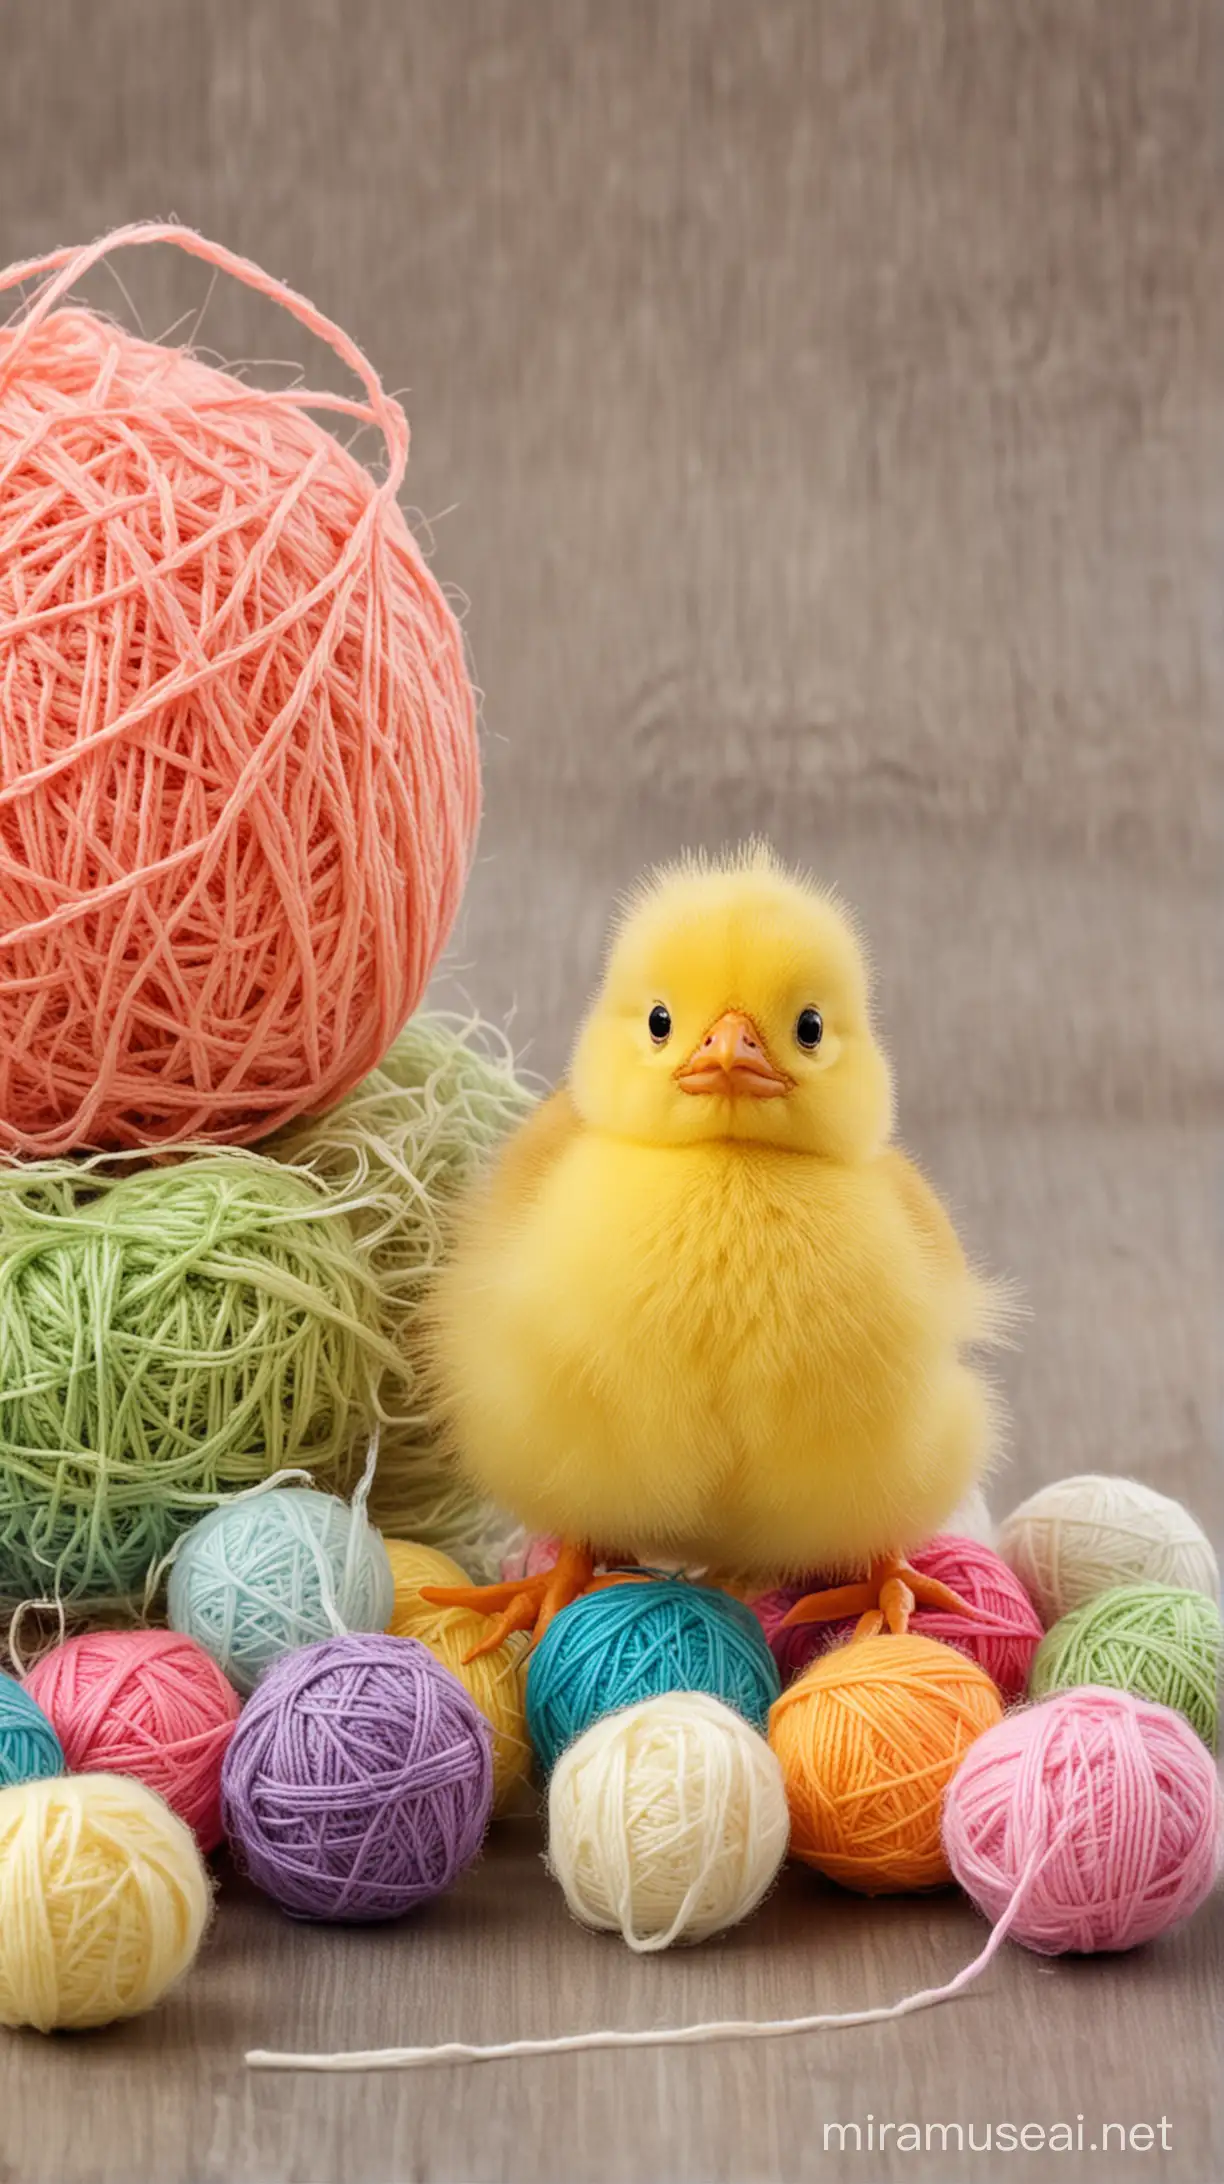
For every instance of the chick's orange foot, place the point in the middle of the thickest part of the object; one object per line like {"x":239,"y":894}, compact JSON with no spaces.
{"x":885,"y":1600}
{"x":521,"y":1603}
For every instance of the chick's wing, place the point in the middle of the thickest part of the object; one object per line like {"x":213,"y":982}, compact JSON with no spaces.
{"x":527,"y":1157}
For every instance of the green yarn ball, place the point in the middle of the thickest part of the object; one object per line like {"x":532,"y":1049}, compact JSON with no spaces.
{"x":168,"y":1336}
{"x":1158,"y":1641}
{"x":403,"y":1147}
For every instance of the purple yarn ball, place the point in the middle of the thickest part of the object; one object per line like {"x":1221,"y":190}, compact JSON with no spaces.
{"x":359,"y":1780}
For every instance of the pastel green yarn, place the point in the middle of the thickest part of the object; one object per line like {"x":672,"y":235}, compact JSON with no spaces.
{"x":168,"y":1336}
{"x":1158,"y":1641}
{"x":405,"y":1145}
{"x":29,"y":1747}
{"x":270,"y":1572}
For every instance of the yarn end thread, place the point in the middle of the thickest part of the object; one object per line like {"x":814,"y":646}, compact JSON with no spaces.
{"x":450,"y":2052}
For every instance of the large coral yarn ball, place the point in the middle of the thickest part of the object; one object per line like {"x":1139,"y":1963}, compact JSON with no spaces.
{"x":239,"y":776}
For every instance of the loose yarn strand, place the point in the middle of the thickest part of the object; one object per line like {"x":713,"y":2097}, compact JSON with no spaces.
{"x":701,"y":2035}
{"x":71,"y":262}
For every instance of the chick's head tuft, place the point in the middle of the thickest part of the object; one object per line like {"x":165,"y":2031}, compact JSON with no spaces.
{"x":735,"y":1005}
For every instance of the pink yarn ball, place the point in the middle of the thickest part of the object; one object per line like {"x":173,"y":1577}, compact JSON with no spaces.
{"x":1004,"y":1646}
{"x":146,"y":1703}
{"x":239,"y":772}
{"x":1124,"y":1790}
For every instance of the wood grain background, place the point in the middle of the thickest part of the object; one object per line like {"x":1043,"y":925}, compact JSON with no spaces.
{"x":819,"y":404}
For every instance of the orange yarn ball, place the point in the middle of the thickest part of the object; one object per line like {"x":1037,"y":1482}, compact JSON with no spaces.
{"x":869,"y":1738}
{"x":146,"y":1703}
{"x":239,"y":778}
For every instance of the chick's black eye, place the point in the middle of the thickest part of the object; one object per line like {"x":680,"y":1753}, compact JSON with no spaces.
{"x":809,"y":1028}
{"x":659,"y":1022}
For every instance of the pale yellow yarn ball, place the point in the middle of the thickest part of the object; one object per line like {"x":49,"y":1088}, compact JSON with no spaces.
{"x":103,"y":1900}
{"x":667,"y":1821}
{"x":496,"y":1681}
{"x":1081,"y":1536}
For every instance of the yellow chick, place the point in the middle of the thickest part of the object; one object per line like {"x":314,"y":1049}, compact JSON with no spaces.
{"x":702,"y":1310}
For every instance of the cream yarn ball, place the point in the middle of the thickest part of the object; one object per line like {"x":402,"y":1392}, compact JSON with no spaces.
{"x":103,"y":1899}
{"x":667,"y":1821}
{"x":1080,"y":1536}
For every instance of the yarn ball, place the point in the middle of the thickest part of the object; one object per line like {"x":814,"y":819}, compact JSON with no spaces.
{"x":495,"y":1680}
{"x":29,"y":1746}
{"x":1002,"y":1636}
{"x":530,"y":1555}
{"x":1158,"y":1641}
{"x":1081,"y":1536}
{"x":167,"y":1339}
{"x":104,"y":1898}
{"x":239,"y":777}
{"x":636,"y":1641}
{"x":274,"y":1571}
{"x":869,"y":1738}
{"x":971,"y":1519}
{"x":401,"y":1150}
{"x":145,"y":1703}
{"x":359,"y":1780}
{"x":1122,"y":1796}
{"x":667,"y":1821}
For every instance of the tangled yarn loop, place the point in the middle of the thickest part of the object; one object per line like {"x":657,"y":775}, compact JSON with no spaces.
{"x":358,"y":1782}
{"x":239,"y":776}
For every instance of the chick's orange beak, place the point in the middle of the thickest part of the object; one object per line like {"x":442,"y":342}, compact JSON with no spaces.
{"x":733,"y":1058}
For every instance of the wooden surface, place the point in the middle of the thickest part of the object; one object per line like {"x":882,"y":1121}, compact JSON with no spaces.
{"x":167,"y":2099}
{"x":819,"y":403}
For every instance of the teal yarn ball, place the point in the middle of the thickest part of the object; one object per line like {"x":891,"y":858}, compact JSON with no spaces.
{"x":275,"y":1571}
{"x":1159,"y":1641}
{"x":637,"y":1641}
{"x":29,"y":1746}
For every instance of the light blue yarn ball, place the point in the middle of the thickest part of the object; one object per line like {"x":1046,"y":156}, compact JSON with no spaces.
{"x":29,"y":1747}
{"x":637,"y":1641}
{"x":259,"y":1577}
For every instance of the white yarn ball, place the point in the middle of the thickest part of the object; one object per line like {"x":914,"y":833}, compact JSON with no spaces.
{"x":971,"y":1519}
{"x":667,"y":1821}
{"x":1078,"y":1537}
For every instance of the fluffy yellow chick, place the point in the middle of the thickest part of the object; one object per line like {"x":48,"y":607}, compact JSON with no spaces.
{"x":703,"y":1311}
